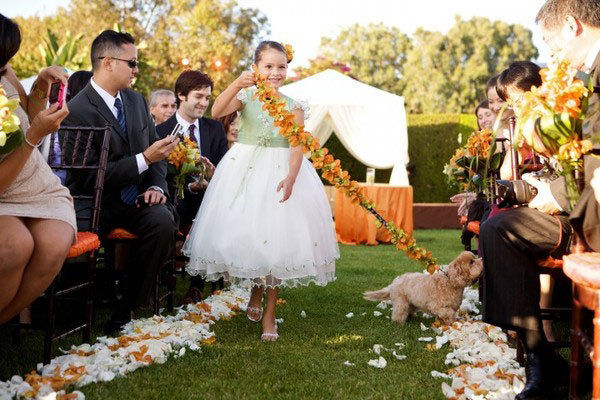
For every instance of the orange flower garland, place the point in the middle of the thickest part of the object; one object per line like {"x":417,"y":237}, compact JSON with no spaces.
{"x":331,"y":169}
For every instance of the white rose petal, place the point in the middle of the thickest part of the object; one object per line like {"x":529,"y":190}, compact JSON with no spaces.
{"x":378,"y":363}
{"x":377,"y":313}
{"x":423,"y":327}
{"x":399,"y":357}
{"x":425,"y":339}
{"x":382,"y":305}
{"x":377,"y":349}
{"x":348,"y":364}
{"x":437,"y":374}
{"x":303,"y":314}
{"x":350,"y":315}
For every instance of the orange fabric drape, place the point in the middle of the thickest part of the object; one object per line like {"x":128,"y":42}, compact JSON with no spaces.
{"x":354,"y":225}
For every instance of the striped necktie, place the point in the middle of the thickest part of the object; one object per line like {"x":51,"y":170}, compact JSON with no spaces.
{"x":128,"y":193}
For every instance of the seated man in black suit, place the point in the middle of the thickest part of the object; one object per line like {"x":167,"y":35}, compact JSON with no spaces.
{"x":193,"y":90}
{"x":135,"y":187}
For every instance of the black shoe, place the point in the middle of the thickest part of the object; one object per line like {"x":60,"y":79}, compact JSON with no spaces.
{"x":559,"y":369}
{"x":121,"y":316}
{"x":536,"y":387}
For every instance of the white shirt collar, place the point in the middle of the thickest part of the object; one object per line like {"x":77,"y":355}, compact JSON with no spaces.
{"x":591,"y":57}
{"x":107,"y":97}
{"x":186,"y":125}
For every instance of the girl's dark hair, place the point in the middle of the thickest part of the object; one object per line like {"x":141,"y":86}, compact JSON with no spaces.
{"x":520,"y":74}
{"x":76,"y":83}
{"x":265,"y":45}
{"x":491,"y":83}
{"x":227,"y":120}
{"x":484,"y":104}
{"x":10,"y":39}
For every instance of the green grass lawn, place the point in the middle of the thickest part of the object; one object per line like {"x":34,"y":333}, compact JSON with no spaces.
{"x":307,"y":361}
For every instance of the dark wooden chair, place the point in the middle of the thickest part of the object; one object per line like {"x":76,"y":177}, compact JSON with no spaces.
{"x":84,"y":251}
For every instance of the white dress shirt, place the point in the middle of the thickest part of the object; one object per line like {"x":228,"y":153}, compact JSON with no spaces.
{"x":591,"y":57}
{"x":185,"y":126}
{"x":110,"y":103}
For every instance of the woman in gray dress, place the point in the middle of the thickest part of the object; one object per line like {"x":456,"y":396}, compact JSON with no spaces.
{"x":37,"y":219}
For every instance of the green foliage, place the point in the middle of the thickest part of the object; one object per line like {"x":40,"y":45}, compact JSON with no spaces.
{"x":446,"y":73}
{"x":432,"y":140}
{"x":376,"y":54}
{"x":67,"y":54}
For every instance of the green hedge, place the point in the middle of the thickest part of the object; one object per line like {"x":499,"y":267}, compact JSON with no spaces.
{"x":432,"y":139}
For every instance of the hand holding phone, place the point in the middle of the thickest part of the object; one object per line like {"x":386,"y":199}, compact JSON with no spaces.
{"x":58,"y":92}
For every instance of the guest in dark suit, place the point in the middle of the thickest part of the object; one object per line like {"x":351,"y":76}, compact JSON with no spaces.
{"x":193,"y":91}
{"x":512,"y":241}
{"x":135,"y":188}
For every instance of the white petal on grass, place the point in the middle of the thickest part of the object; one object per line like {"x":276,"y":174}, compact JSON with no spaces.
{"x":438,"y":374}
{"x":400,"y":345}
{"x":377,"y":313}
{"x":425,"y":339}
{"x":377,"y":349}
{"x":378,"y":363}
{"x":348,"y":364}
{"x":350,"y":315}
{"x":303,"y":314}
{"x":279,"y":320}
{"x":399,"y":357}
{"x":382,"y":305}
{"x":423,"y":327}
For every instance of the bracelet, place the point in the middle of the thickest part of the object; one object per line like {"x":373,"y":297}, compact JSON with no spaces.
{"x":35,"y":146}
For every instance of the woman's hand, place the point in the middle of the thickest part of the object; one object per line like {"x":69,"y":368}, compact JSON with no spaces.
{"x":245,"y":80}
{"x":47,"y":121}
{"x":210,"y":168}
{"x":53,"y":74}
{"x":287,"y":185}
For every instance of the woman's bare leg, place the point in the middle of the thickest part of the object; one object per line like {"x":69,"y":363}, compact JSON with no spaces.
{"x":546,"y":289}
{"x":16,"y":247}
{"x":52,"y":240}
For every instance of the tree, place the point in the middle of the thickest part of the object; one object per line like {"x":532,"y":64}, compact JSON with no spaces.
{"x":447,"y":73}
{"x":319,"y":64}
{"x":376,"y":54}
{"x":215,"y":36}
{"x":66,"y":54}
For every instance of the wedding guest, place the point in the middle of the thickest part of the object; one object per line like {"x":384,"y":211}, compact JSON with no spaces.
{"x":37,"y":219}
{"x":194,"y":90}
{"x":230,"y":124}
{"x":162,"y":105}
{"x":485,"y":116}
{"x":135,"y":189}
{"x":514,"y":239}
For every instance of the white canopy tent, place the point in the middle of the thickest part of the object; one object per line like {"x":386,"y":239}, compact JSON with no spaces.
{"x":370,"y":123}
{"x":28,"y":82}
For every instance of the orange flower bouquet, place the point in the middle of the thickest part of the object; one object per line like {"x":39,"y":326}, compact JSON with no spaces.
{"x":550,"y":119}
{"x":183,"y":162}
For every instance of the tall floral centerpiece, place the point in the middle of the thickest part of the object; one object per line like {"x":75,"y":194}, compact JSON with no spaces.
{"x":550,"y":119}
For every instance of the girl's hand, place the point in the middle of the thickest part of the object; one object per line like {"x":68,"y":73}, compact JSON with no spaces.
{"x":47,"y":121}
{"x":287,"y":184}
{"x":245,"y":80}
{"x":210,"y":168}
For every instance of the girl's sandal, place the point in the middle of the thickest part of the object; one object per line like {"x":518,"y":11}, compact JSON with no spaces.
{"x":256,"y":312}
{"x":269,"y":337}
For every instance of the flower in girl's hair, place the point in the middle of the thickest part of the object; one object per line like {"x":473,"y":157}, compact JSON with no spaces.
{"x":289,"y":52}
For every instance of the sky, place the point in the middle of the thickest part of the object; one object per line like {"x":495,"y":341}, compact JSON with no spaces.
{"x":303,"y":23}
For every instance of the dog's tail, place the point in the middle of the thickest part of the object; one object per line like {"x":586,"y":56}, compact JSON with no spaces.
{"x":378,"y":295}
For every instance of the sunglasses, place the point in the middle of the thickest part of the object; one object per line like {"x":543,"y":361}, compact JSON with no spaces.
{"x":131,"y":63}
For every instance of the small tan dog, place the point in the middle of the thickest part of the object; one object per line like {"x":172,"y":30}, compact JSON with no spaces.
{"x":439,"y":294}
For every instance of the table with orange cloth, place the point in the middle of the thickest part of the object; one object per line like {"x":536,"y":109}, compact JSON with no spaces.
{"x":354,"y":225}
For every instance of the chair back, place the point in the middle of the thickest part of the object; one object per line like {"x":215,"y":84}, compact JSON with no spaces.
{"x":79,"y":155}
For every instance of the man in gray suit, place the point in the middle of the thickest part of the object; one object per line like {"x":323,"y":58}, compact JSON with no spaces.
{"x":135,"y":189}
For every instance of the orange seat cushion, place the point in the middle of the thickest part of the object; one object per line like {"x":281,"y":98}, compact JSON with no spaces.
{"x":551,"y":262}
{"x":473,"y":226}
{"x":583,"y":268}
{"x":86,"y":242}
{"x":120,"y":234}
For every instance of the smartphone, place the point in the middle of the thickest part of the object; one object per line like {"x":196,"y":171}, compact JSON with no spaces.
{"x":58,"y":92}
{"x":175,"y":131}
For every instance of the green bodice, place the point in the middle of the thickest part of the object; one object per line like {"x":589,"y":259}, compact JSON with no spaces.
{"x":256,"y":127}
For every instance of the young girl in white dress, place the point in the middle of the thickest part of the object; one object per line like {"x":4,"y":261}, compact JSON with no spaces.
{"x":265,"y":218}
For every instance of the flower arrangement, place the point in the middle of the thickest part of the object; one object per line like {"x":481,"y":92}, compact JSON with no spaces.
{"x":470,"y":163}
{"x":11,"y":135}
{"x":331,"y":169}
{"x":185,"y":161}
{"x":289,"y":52}
{"x":550,"y":119}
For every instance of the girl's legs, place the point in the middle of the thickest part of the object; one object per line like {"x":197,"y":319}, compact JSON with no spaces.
{"x":254,"y":310}
{"x":52,"y":240}
{"x":268,"y":322}
{"x":16,"y":246}
{"x":546,"y":289}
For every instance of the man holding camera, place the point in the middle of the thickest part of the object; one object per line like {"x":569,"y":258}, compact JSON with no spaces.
{"x":513,"y":241}
{"x":135,"y":188}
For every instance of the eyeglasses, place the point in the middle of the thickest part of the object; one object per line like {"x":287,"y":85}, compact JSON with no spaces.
{"x":130,"y":63}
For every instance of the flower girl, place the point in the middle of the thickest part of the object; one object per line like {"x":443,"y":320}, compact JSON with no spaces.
{"x":265,"y":218}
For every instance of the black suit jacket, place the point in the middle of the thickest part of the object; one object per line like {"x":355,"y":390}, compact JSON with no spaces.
{"x":213,"y":145}
{"x":89,"y":109}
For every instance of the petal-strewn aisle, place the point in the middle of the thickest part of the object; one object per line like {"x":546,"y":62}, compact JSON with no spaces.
{"x":142,"y":342}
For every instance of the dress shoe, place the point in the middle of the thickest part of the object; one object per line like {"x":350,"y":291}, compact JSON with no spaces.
{"x":536,"y":387}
